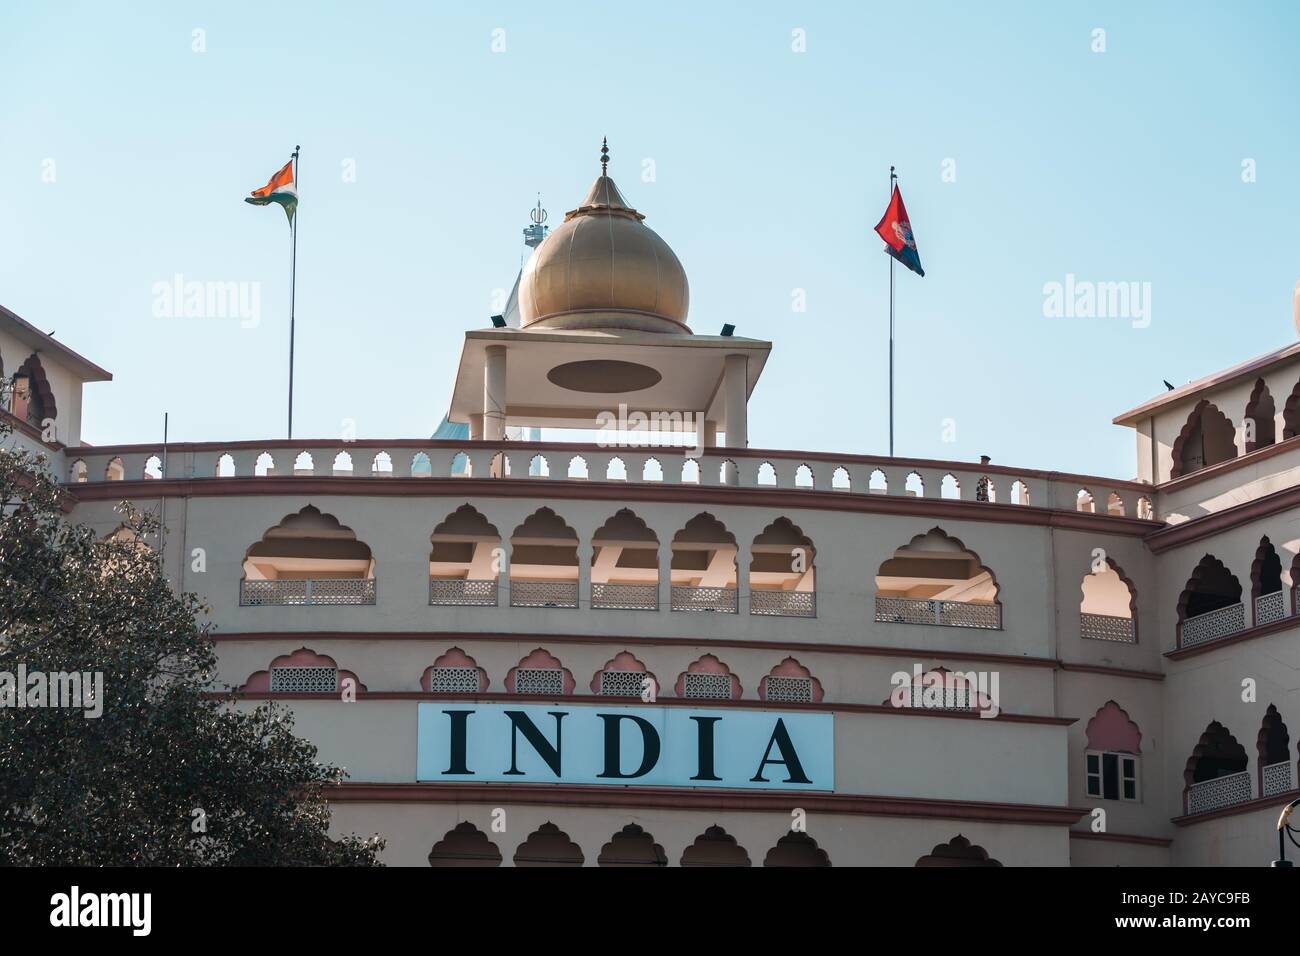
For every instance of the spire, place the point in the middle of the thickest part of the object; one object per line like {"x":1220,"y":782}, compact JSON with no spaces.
{"x":604,"y":195}
{"x":534,"y":234}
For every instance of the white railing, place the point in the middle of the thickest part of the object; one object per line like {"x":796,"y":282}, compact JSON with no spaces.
{"x":319,"y":591}
{"x":686,"y":597}
{"x":461,"y":592}
{"x":773,"y":603}
{"x":1106,"y":627}
{"x":543,"y":593}
{"x":413,"y":458}
{"x":901,"y":610}
{"x":1277,"y":778}
{"x":1212,"y":626}
{"x":625,"y":597}
{"x":1219,"y":792}
{"x":1270,"y":607}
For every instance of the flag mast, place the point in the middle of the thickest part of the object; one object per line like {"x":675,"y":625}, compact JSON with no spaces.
{"x":293,"y":281}
{"x":892,"y":178}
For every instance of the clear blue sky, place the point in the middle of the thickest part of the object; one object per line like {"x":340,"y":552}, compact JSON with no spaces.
{"x":771,"y":165}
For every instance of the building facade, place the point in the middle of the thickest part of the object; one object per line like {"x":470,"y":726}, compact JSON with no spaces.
{"x":680,"y":650}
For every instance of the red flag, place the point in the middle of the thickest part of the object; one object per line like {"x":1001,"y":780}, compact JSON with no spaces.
{"x":895,"y":228}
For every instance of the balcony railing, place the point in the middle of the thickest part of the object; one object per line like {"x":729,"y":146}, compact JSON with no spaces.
{"x":299,"y":591}
{"x":1212,"y":626}
{"x":1277,"y":779}
{"x":1270,"y":607}
{"x":773,"y":603}
{"x":901,"y":610}
{"x":625,"y":597}
{"x":462,"y":592}
{"x":1218,"y":793}
{"x":446,"y":460}
{"x":687,"y":597}
{"x":1106,"y":627}
{"x":543,"y":593}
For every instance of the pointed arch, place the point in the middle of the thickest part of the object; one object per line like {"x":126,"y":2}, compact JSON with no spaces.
{"x":548,"y":845}
{"x":309,"y":558}
{"x":796,"y":848}
{"x":540,"y":672}
{"x":32,"y":400}
{"x":936,"y":579}
{"x":1111,"y":728}
{"x":1108,"y":607}
{"x":625,"y":564}
{"x":632,"y":846}
{"x":301,"y":672}
{"x":1260,"y":411}
{"x":1210,"y":605}
{"x":544,"y":562}
{"x":715,"y":847}
{"x":707,"y":678}
{"x":790,"y":682}
{"x":454,"y":672}
{"x":464,"y":560}
{"x":703,"y":566}
{"x":623,"y":676}
{"x":1268,"y":597}
{"x":782,"y":573}
{"x":957,"y":852}
{"x":1215,"y":774}
{"x":1273,"y":755}
{"x":1207,"y":438}
{"x":465,"y":845}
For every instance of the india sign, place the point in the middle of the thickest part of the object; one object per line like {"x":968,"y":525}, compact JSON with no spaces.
{"x":621,"y":746}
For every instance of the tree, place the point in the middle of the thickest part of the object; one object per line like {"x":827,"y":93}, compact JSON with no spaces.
{"x":169,"y":774}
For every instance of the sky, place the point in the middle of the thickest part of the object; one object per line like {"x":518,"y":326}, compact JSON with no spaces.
{"x":757,"y":140}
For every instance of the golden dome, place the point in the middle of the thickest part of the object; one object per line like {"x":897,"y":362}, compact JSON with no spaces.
{"x":603,"y":268}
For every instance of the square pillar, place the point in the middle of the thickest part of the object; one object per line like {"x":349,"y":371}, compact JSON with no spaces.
{"x":494,"y":394}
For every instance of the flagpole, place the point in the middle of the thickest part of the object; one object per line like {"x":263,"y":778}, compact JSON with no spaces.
{"x":892,"y":178}
{"x":293,"y":281}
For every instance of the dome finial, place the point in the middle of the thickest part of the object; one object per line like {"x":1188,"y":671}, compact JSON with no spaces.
{"x":604,"y":156}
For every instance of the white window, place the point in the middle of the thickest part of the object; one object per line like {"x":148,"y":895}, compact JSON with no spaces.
{"x":539,"y":680}
{"x":304,"y":680}
{"x":621,"y":683}
{"x":707,"y":686}
{"x":797,"y":690}
{"x":1112,"y":776}
{"x":454,"y":680}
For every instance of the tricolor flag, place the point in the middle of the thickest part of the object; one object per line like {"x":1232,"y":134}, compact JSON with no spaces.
{"x":281,"y":189}
{"x":895,"y":229}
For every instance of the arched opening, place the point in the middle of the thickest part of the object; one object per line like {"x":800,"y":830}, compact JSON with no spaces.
{"x":1085,"y":502}
{"x":226,"y":466}
{"x":152,"y":468}
{"x":1108,"y":610}
{"x":878,"y":484}
{"x":1210,"y":606}
{"x":1145,"y":510}
{"x":77,"y":472}
{"x":115,"y":470}
{"x":1115,"y":505}
{"x":1259,"y":421}
{"x":986,"y":490}
{"x":1019,"y":493}
{"x":796,"y":849}
{"x":1207,"y":439}
{"x":454,"y":672}
{"x":942,"y":689}
{"x":652,"y":470}
{"x":715,"y":847}
{"x":1215,"y":775}
{"x":539,"y":467}
{"x":789,"y":682}
{"x":766,"y":475}
{"x":308,"y":558}
{"x":465,"y":845}
{"x":914,"y":486}
{"x":31,"y":399}
{"x":548,"y":845}
{"x":632,"y":846}
{"x":625,"y":676}
{"x":264,"y":465}
{"x":465,"y":560}
{"x":1114,"y":743}
{"x":704,"y":567}
{"x":950,"y":487}
{"x":342,"y":466}
{"x":1273,"y":752}
{"x":302,"y":672}
{"x":625,"y":564}
{"x":935,"y":579}
{"x":540,"y":672}
{"x":304,"y":465}
{"x":957,"y":852}
{"x":1269,"y":600}
{"x":840,"y":480}
{"x":381,"y":466}
{"x":782,"y":578}
{"x":803,"y":477}
{"x":708,"y":679}
{"x":544,"y":562}
{"x":421,"y":467}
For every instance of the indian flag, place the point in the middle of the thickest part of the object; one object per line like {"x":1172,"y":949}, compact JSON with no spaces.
{"x":280,"y":189}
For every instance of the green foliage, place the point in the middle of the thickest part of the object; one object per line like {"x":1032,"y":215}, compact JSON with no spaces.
{"x":170,"y":774}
